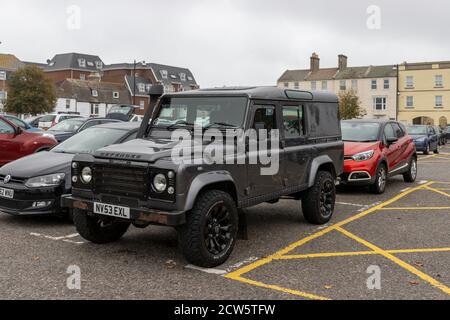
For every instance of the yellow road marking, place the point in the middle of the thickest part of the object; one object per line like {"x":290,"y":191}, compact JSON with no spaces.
{"x":443,"y":189}
{"x":415,"y":208}
{"x":359,"y":253}
{"x":438,"y":191}
{"x":397,"y":261}
{"x":281,"y":289}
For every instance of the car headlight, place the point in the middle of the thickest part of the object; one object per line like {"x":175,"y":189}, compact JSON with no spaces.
{"x":363,"y":156}
{"x":86,"y":175}
{"x":45,"y":181}
{"x":160,"y":183}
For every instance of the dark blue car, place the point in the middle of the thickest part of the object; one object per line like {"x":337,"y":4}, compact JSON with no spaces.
{"x":425,"y":137}
{"x":68,"y":128}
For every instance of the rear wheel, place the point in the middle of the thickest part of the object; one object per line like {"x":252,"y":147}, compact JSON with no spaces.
{"x":411,"y":175}
{"x":318,"y":202}
{"x":100,"y":230}
{"x":379,"y":186}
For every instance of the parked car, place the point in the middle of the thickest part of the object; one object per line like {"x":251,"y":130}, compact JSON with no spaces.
{"x":34,"y":184}
{"x":50,"y":120}
{"x":376,"y":150}
{"x":67,"y":128}
{"x":447,"y":133}
{"x":425,"y":138}
{"x":139,"y":183}
{"x":136,"y":118}
{"x":16,"y":143}
{"x":123,"y":112}
{"x":19,"y":122}
{"x":442,"y":135}
{"x":34,"y":121}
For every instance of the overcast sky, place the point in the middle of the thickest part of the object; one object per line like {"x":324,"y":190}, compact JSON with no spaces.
{"x":228,"y":42}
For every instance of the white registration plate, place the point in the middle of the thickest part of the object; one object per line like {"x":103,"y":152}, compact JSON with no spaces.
{"x":112,"y":211}
{"x":6,"y":193}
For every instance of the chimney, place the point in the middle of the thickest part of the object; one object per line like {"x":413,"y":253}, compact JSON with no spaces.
{"x":342,"y":62}
{"x":315,"y":62}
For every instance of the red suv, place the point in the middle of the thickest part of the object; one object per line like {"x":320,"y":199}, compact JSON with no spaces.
{"x":16,"y":143}
{"x":376,"y":150}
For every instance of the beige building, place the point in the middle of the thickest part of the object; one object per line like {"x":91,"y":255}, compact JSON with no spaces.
{"x":424,"y":93}
{"x":376,"y":86}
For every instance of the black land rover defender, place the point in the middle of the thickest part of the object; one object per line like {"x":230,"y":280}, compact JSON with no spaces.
{"x":141,"y":182}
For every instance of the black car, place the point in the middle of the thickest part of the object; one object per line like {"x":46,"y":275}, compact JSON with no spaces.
{"x":34,"y":184}
{"x":142,"y":182}
{"x":446,"y":133}
{"x":67,"y":128}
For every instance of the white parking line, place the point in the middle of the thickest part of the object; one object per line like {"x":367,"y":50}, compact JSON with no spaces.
{"x":351,"y":204}
{"x":206,"y":270}
{"x":63,"y":238}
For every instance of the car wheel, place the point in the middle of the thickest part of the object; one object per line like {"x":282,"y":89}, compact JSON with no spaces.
{"x":99,"y":230}
{"x":411,"y":175}
{"x":379,"y":186}
{"x":318,"y":202}
{"x":427,"y":150}
{"x":209,"y":235}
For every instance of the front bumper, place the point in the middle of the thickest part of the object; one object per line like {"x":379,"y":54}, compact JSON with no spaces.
{"x":420,"y":146}
{"x":145,"y":215}
{"x":26,"y":199}
{"x":358,"y":173}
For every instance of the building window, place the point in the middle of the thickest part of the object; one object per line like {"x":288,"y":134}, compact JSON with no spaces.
{"x":2,"y":96}
{"x":324,"y":85}
{"x":148,"y":87}
{"x":355,"y":84}
{"x":94,"y":109}
{"x":67,"y":104}
{"x":82,"y":63}
{"x":379,"y":103}
{"x":2,"y":75}
{"x":342,"y":85}
{"x":438,"y":81}
{"x":94,"y":93}
{"x":297,"y":85}
{"x":116,"y":95}
{"x":438,"y":101}
{"x":409,"y":82}
{"x":373,"y":84}
{"x":98,"y":64}
{"x":183,"y":76}
{"x":387,"y":84}
{"x":142,"y":104}
{"x":82,"y":76}
{"x":410,"y":102}
{"x":313,"y":85}
{"x":164,"y":74}
{"x":141,"y":87}
{"x":190,"y":78}
{"x":286,"y":84}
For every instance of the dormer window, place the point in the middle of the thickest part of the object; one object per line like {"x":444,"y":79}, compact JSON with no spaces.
{"x":2,"y":75}
{"x":82,"y":63}
{"x":148,"y":87}
{"x":164,"y":74}
{"x":90,"y":63}
{"x":51,"y":64}
{"x":99,"y":64}
{"x":173,"y":76}
{"x":183,"y":76}
{"x":94,"y":93}
{"x":116,"y":95}
{"x":141,"y":87}
{"x":190,"y":78}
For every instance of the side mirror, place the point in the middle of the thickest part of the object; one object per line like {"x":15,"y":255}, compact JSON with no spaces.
{"x":19,"y":131}
{"x":391,"y":141}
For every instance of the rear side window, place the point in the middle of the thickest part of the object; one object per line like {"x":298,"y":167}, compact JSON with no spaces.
{"x":293,"y":122}
{"x":398,"y":130}
{"x":323,"y":120}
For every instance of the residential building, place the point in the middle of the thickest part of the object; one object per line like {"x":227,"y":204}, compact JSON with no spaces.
{"x":376,"y":86}
{"x":90,"y":98}
{"x":8,"y":64}
{"x":174,"y":79}
{"x":76,"y":66}
{"x":424,"y":93}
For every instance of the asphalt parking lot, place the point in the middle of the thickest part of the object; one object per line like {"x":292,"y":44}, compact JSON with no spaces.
{"x":404,"y":235}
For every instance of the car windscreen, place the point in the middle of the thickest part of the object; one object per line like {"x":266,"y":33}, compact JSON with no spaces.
{"x":71,"y":125}
{"x":360,"y":131}
{"x":201,"y":111}
{"x":17,"y":122}
{"x":48,"y":118}
{"x":416,"y":130}
{"x":120,"y":109}
{"x":90,"y":140}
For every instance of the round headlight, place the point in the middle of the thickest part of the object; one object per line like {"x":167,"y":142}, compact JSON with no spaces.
{"x":74,"y":165}
{"x":160,"y":182}
{"x":86,"y":175}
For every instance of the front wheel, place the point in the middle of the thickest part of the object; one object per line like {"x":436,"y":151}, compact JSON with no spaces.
{"x":411,"y":175}
{"x":99,"y":230}
{"x":209,"y":235}
{"x":319,"y":201}
{"x":379,"y":186}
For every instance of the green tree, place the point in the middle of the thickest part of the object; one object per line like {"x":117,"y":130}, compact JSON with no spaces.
{"x":350,"y":105}
{"x":30,"y":92}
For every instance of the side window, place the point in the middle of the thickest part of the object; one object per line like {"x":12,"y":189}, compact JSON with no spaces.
{"x":6,"y":128}
{"x":431,"y":130}
{"x":264,"y":119}
{"x":293,"y":122}
{"x":398,"y":130}
{"x":389,"y":132}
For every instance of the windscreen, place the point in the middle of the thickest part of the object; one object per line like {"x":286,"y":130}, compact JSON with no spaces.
{"x":68,"y":125}
{"x":416,"y":130}
{"x":360,"y":131}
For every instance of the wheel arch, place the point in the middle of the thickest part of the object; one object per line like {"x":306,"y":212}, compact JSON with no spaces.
{"x":318,"y":164}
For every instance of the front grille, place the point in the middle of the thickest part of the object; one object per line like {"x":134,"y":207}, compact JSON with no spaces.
{"x":13,"y":179}
{"x":121,"y":181}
